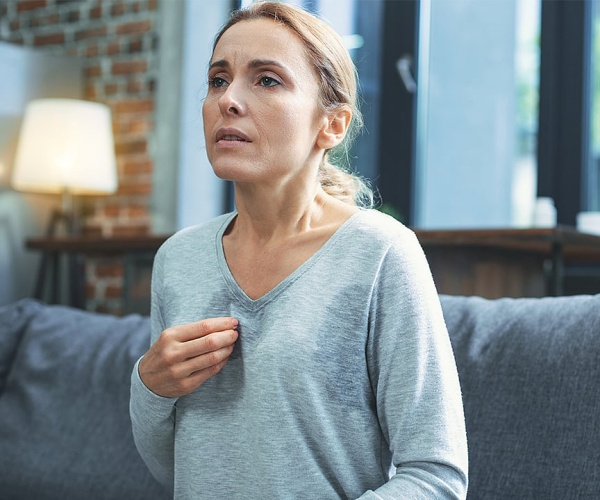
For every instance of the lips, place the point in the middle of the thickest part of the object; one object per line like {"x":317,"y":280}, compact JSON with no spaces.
{"x":231,"y":135}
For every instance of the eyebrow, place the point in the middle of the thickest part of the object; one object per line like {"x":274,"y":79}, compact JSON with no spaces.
{"x":255,"y":63}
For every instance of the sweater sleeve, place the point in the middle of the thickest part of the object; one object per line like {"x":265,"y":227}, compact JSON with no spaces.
{"x":153,"y":416}
{"x":415,"y":381}
{"x":153,"y":426}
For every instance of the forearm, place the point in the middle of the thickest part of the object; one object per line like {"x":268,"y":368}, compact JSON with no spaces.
{"x":422,"y":481}
{"x":416,"y":383}
{"x":153,"y":429}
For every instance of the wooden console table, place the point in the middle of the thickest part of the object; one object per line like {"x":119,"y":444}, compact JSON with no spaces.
{"x":73,"y":249}
{"x":506,"y":262}
{"x":487,"y":262}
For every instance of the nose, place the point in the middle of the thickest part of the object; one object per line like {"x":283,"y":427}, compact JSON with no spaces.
{"x":231,"y":102}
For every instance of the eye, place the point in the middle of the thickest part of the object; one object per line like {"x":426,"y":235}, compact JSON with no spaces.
{"x":268,"y":81}
{"x":217,"y":82}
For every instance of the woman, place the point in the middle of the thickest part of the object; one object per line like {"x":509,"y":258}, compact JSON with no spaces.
{"x":298,"y":345}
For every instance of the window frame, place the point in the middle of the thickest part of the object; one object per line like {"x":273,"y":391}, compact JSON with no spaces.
{"x":565,"y":100}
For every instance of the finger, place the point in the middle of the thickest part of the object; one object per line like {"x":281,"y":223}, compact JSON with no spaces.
{"x":210,"y":362}
{"x":209,"y":343}
{"x":177,"y":387}
{"x":196,"y":379}
{"x":191,"y":331}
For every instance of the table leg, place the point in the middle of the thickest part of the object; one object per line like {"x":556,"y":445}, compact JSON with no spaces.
{"x":40,"y":280}
{"x":77,"y":281}
{"x":557,"y":274}
{"x":55,"y":277}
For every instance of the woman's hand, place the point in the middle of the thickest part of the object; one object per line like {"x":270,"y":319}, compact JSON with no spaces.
{"x":185,"y":356}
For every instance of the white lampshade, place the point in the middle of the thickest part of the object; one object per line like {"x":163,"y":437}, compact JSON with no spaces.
{"x":66,"y":145}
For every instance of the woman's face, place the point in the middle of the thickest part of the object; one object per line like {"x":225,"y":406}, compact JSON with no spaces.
{"x":261,"y":113}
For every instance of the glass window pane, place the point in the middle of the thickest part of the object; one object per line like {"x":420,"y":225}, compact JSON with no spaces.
{"x":593,"y":184}
{"x":477,"y":110}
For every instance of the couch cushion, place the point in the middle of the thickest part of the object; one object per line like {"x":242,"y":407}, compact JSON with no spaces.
{"x":65,"y":431}
{"x":530,"y":372}
{"x":13,"y":320}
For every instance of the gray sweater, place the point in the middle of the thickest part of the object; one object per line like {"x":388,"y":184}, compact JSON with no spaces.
{"x":342,"y":383}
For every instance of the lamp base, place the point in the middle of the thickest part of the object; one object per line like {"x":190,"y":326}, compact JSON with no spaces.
{"x":58,"y":217}
{"x":67,"y":216}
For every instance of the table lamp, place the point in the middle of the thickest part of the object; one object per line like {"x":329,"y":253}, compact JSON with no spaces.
{"x":65,"y":146}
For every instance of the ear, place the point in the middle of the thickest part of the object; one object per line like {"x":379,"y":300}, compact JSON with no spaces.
{"x":335,"y":128}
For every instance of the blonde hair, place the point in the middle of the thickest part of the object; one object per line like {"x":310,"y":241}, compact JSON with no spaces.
{"x":338,"y":84}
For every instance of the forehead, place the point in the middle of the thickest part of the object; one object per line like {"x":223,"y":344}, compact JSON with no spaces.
{"x":261,"y":39}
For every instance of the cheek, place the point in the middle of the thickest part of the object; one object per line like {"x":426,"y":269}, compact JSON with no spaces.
{"x":291,"y":120}
{"x":205,"y":109}
{"x":207,"y":117}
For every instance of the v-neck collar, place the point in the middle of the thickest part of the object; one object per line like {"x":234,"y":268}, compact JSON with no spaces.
{"x":255,"y":304}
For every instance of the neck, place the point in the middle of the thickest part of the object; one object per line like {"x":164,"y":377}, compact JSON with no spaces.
{"x":266,"y":215}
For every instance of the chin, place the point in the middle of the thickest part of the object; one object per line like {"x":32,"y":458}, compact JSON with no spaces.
{"x":234,"y":173}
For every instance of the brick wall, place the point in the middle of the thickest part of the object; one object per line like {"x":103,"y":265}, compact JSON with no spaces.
{"x":118,"y":42}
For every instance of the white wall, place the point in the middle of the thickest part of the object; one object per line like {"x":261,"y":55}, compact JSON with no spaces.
{"x":201,"y":193}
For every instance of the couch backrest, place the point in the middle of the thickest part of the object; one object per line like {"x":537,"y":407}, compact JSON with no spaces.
{"x":65,"y":431}
{"x":530,"y":376}
{"x":529,"y":371}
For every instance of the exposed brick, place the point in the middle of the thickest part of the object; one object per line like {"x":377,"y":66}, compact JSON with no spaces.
{"x":134,"y":87}
{"x":90,"y":290}
{"x":140,"y":288}
{"x":137,"y":212}
{"x":134,"y":167}
{"x":120,"y":127}
{"x":107,"y":308}
{"x":113,"y":48}
{"x":44,"y":20}
{"x":112,"y":210}
{"x":96,"y":12}
{"x":141,"y":126}
{"x":106,"y":44}
{"x":93,"y":71}
{"x":131,"y":147}
{"x":129,"y":67}
{"x":109,"y":269}
{"x":111,"y":88}
{"x":91,"y":92}
{"x":113,"y":291}
{"x":134,"y":28}
{"x":136,"y":45}
{"x":73,"y":16}
{"x":24,"y":5}
{"x":117,"y":9}
{"x":134,"y":106}
{"x":49,"y":39}
{"x":97,"y":32}
{"x":92,"y":51}
{"x":135,"y":189}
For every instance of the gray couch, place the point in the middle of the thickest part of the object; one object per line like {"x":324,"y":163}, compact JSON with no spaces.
{"x":529,"y":370}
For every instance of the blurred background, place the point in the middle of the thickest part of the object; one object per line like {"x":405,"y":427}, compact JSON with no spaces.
{"x":473,"y":110}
